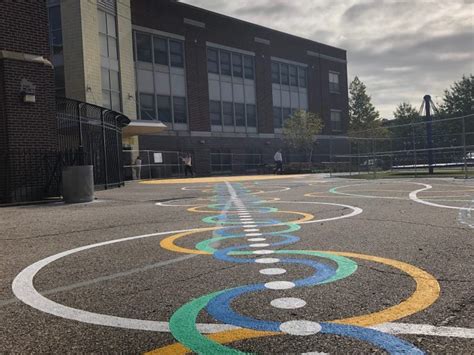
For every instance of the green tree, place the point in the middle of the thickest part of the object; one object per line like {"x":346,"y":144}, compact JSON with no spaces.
{"x":300,"y":130}
{"x":362,"y":114}
{"x":400,"y":128}
{"x":459,"y":99}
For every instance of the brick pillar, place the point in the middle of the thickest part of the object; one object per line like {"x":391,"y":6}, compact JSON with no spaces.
{"x":28,"y":131}
{"x":197,"y":81}
{"x":263,"y":69}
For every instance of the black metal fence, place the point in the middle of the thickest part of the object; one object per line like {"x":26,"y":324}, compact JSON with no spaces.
{"x":96,"y":134}
{"x":87,"y":134}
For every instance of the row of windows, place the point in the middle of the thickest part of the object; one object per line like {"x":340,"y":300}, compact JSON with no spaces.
{"x":165,"y":108}
{"x":159,"y":50}
{"x":230,"y":113}
{"x":287,"y":74}
{"x":230,"y":63}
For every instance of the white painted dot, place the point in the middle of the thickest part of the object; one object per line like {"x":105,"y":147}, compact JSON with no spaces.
{"x":252,"y":230}
{"x":300,"y":327}
{"x":253,"y":234}
{"x":263,"y":252}
{"x":257,"y":239}
{"x":279,"y":285}
{"x":288,"y":303}
{"x":272,"y":271}
{"x":267,"y":260}
{"x":259,"y":245}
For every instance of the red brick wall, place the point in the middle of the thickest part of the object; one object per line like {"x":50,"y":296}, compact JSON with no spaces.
{"x":26,"y":130}
{"x":168,"y":16}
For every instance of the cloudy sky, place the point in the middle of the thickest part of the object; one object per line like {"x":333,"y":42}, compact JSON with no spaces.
{"x":401,"y":49}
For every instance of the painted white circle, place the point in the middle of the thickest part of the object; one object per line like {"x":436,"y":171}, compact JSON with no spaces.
{"x":259,"y":245}
{"x":257,"y":239}
{"x":272,"y":271}
{"x":263,"y":252}
{"x":279,"y":285}
{"x":288,"y":303}
{"x":267,"y":260}
{"x":253,"y":234}
{"x":300,"y":327}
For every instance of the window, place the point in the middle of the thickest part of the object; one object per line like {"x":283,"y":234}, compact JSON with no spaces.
{"x":176,"y":54}
{"x":215,"y":113}
{"x":108,"y":35}
{"x":180,"y":112}
{"x":160,"y":46}
{"x":147,"y":107}
{"x":293,"y":75}
{"x":237,"y":65}
{"x":228,"y":111}
{"x":55,"y":29}
{"x":251,"y":116}
{"x":302,"y":77}
{"x":286,"y":114}
{"x":164,"y":108}
{"x":336,"y":122}
{"x":285,"y":80}
{"x":225,"y":63}
{"x":334,"y":82}
{"x":143,"y":47}
{"x":212,"y":61}
{"x":277,"y":117}
{"x":248,"y":67}
{"x":110,"y":89}
{"x":240,"y":115}
{"x":275,"y":73}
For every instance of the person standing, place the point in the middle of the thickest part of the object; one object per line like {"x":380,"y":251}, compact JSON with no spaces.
{"x":278,"y":158}
{"x":138,"y":168}
{"x":188,"y":165}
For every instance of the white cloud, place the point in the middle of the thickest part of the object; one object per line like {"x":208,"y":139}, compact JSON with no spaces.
{"x":408,"y":48}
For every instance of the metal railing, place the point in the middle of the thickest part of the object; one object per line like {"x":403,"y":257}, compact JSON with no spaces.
{"x":405,"y":150}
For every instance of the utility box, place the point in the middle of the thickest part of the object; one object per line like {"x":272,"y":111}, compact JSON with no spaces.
{"x":78,"y":184}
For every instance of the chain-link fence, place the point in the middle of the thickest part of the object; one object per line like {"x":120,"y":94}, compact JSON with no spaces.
{"x":445,"y":146}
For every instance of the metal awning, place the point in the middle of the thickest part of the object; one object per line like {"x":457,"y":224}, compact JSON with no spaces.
{"x":143,"y":128}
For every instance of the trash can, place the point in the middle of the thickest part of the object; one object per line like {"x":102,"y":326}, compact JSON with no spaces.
{"x":78,"y":184}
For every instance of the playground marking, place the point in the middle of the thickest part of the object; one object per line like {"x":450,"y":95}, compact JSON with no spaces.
{"x":414,"y":197}
{"x":215,"y":180}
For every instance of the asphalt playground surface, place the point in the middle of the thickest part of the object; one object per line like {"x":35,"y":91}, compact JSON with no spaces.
{"x":297,"y":264}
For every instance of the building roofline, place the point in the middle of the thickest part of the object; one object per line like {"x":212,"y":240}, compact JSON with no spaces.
{"x":179,"y":3}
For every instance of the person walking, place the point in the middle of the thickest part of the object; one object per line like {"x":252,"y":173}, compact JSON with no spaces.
{"x":278,"y":158}
{"x":188,"y":165}
{"x":138,"y":168}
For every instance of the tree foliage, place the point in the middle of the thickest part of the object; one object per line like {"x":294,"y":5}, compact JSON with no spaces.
{"x":300,"y":130}
{"x":362,"y":114}
{"x":459,"y":99}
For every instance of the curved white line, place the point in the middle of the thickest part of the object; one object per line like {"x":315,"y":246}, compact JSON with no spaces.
{"x":414,"y":197}
{"x":355,"y":210}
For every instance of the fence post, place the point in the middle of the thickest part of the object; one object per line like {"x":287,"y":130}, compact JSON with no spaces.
{"x":330,"y":156}
{"x":414,"y":148}
{"x":119,"y":153}
{"x":104,"y":147}
{"x":149,"y":164}
{"x":373,"y":158}
{"x":350,"y":155}
{"x":81,"y":147}
{"x":466,"y":175}
{"x":358,"y":156}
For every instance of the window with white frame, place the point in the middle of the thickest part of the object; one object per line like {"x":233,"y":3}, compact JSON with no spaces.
{"x":160,"y":78}
{"x":334,"y":82}
{"x":289,"y":90}
{"x":231,"y":74}
{"x":336,"y":121}
{"x":109,"y":60}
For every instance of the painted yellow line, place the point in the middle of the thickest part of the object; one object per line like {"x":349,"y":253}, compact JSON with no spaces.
{"x":218,"y":179}
{"x":426,"y":293}
{"x":168,"y":243}
{"x":221,"y":338}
